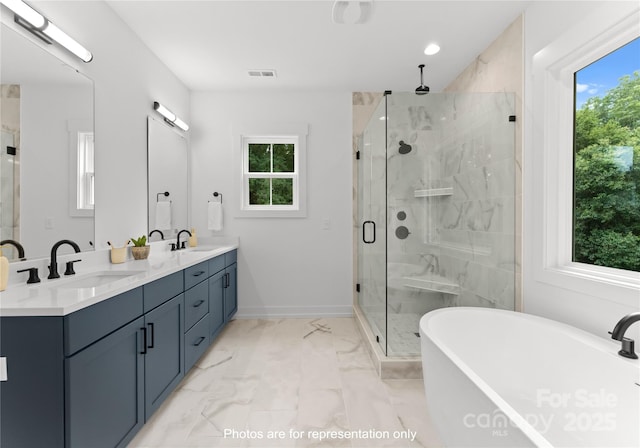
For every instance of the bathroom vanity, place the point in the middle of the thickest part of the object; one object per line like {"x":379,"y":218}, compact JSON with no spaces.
{"x":88,"y":365}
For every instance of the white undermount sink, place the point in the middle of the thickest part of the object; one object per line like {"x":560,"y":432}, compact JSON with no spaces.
{"x":204,"y":248}
{"x":94,"y":279}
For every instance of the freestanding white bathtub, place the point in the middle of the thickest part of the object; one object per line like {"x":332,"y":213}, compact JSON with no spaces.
{"x":501,"y":378}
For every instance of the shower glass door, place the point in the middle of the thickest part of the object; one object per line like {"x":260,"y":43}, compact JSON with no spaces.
{"x":372,"y":225}
{"x":436,"y":209}
{"x":450,"y":207}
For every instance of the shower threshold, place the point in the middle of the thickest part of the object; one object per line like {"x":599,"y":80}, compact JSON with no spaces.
{"x":400,"y":367}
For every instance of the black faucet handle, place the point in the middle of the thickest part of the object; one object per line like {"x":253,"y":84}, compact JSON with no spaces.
{"x":182,"y":245}
{"x":33,"y":275}
{"x":173,"y":246}
{"x":69,"y":270}
{"x":628,"y":349}
{"x":53,"y":272}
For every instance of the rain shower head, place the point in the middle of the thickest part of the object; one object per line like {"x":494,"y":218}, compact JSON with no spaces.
{"x":421,"y":89}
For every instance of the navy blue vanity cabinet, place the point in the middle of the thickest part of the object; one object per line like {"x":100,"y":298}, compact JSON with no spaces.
{"x":104,"y":372}
{"x":196,"y":342}
{"x":223,"y":291}
{"x":163,"y":342}
{"x":92,"y":378}
{"x":196,"y":304}
{"x":105,"y":389}
{"x":231,"y":292}
{"x":196,"y":319}
{"x":231,"y":285}
{"x":32,"y":398}
{"x":216,"y":303}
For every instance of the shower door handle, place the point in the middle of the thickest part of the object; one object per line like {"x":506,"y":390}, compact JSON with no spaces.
{"x":364,"y":232}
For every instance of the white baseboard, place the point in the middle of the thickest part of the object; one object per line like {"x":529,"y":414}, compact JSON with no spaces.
{"x":269,"y":312}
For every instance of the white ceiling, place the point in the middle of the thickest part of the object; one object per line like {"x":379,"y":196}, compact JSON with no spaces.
{"x":210,"y":45}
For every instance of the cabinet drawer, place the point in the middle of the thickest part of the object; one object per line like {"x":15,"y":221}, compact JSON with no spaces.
{"x":92,"y":323}
{"x":196,"y":342}
{"x":195,"y":274}
{"x":161,"y":290}
{"x":196,"y":304}
{"x":216,"y":264}
{"x":231,"y":257}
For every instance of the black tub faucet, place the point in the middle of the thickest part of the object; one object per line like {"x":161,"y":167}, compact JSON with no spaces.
{"x":53,"y":267}
{"x":618,"y":334}
{"x":178,"y":247}
{"x":17,"y":245}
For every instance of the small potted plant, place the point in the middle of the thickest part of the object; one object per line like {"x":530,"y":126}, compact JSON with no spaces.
{"x":140,"y":250}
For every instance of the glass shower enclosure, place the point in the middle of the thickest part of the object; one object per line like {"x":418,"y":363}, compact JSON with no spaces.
{"x":436,"y":210}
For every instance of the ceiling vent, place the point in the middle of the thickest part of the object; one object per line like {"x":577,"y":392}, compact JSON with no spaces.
{"x":262,"y":73}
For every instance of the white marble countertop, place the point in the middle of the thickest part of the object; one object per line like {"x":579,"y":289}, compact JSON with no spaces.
{"x":52,"y":298}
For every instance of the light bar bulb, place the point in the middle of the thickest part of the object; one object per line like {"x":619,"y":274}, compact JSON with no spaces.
{"x":166,"y":113}
{"x":25,"y":11}
{"x":181,"y":124}
{"x":170,"y":116}
{"x":67,"y":42}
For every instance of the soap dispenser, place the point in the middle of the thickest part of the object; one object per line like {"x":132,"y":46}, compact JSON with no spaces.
{"x":193,"y":239}
{"x":4,"y":271}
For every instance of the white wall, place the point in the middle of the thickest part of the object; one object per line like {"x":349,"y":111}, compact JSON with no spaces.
{"x":288,"y":266}
{"x":128,"y":78}
{"x":549,"y":26}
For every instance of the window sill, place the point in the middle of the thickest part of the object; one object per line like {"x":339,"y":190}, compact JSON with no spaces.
{"x":613,"y":285}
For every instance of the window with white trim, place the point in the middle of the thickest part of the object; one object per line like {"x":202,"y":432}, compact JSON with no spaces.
{"x":271,"y":173}
{"x":550,"y":135}
{"x":606,"y":204}
{"x":85,"y":172}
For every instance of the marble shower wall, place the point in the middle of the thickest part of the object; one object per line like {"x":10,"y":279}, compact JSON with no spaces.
{"x":450,"y":193}
{"x":500,"y":68}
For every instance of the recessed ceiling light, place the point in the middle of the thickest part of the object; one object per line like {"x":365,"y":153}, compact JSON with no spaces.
{"x":431,"y":49}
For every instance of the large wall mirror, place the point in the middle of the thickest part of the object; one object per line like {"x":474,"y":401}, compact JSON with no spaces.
{"x":47,"y":165}
{"x":167,"y":177}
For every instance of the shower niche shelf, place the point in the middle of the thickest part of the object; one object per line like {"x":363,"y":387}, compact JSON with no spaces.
{"x":431,"y":192}
{"x":434,"y":283}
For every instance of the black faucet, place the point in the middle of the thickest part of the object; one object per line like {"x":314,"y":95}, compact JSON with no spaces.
{"x":53,"y":267}
{"x":618,"y":334}
{"x":178,"y":247}
{"x":17,"y":245}
{"x":158,"y":231}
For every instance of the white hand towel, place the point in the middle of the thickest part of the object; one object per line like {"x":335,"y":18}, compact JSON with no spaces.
{"x":163,"y":215}
{"x":214,"y":216}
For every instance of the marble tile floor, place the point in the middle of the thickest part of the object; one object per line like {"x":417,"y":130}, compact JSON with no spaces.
{"x":280,"y":383}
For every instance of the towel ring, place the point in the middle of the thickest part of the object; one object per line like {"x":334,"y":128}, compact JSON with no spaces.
{"x":216,"y":194}
{"x":166,"y":194}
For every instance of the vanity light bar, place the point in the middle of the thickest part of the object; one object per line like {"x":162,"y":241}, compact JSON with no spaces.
{"x":38,"y":24}
{"x":170,"y":117}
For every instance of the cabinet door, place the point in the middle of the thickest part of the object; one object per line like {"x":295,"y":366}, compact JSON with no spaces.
{"x":164,"y":360}
{"x":231,"y":292}
{"x":104,"y":390}
{"x":216,"y":303}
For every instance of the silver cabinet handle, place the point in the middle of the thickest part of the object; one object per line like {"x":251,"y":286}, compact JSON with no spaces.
{"x":4,"y":375}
